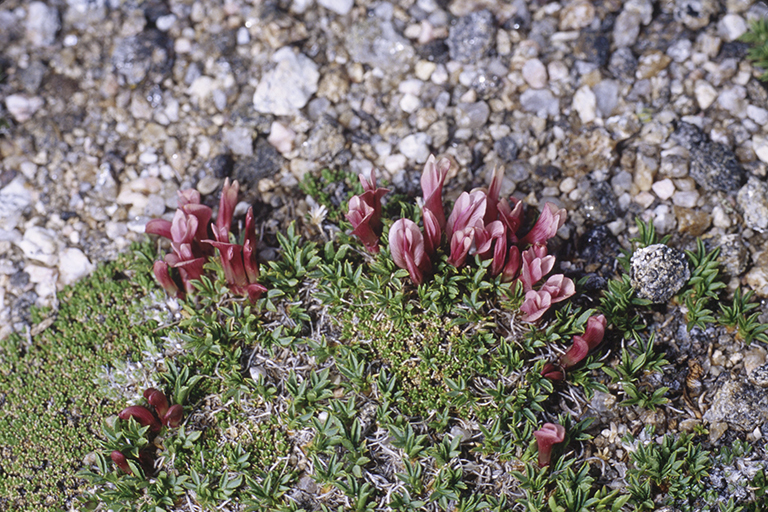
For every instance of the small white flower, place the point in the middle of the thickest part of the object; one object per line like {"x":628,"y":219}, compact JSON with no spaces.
{"x":317,"y":215}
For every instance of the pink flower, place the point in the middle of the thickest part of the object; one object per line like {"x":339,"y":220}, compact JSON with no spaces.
{"x":511,"y":217}
{"x":461,"y":243}
{"x":406,"y":244}
{"x":142,"y":415}
{"x":227,"y":204}
{"x":172,"y":417}
{"x":512,"y":266}
{"x":492,"y":195}
{"x":188,"y":196}
{"x":238,"y":278}
{"x":189,"y":269}
{"x":163,"y":276}
{"x":120,"y":461}
{"x":372,"y":197}
{"x":432,"y":231}
{"x":361,"y":216}
{"x":583,"y":345}
{"x":547,"y":437}
{"x":534,"y":306}
{"x":535,"y":266}
{"x":550,"y":220}
{"x":249,"y":248}
{"x":468,"y":212}
{"x":595,"y":330}
{"x":559,"y":287}
{"x":491,"y":242}
{"x":158,"y":400}
{"x":432,"y":179}
{"x":552,"y":372}
{"x":575,"y":354}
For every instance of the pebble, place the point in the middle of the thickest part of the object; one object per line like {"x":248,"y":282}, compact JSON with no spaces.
{"x":577,"y":15}
{"x":340,"y":7}
{"x":757,"y":277}
{"x":377,"y":43}
{"x":753,"y":201}
{"x":239,"y":140}
{"x":733,"y":99}
{"x":42,"y":24}
{"x":705,"y":94}
{"x":712,"y":165}
{"x":21,"y":107}
{"x":686,"y":199}
{"x":471,"y":37}
{"x":760,"y":147}
{"x":739,"y":404}
{"x":15,"y":198}
{"x":627,"y":28}
{"x":664,"y":189}
{"x":535,"y":73}
{"x":607,"y":95}
{"x":40,"y":244}
{"x":415,"y":147}
{"x":731,"y":27}
{"x":73,"y":266}
{"x":734,"y":255}
{"x":658,"y":272}
{"x":281,"y":137}
{"x":472,"y":115}
{"x":44,"y":279}
{"x":585,"y":104}
{"x":289,"y":86}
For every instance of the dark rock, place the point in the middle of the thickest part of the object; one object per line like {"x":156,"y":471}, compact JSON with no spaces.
{"x":220,"y":166}
{"x":733,"y":255}
{"x":486,"y":84}
{"x":599,"y":203}
{"x":598,"y":245}
{"x":733,"y":50}
{"x":471,"y":38}
{"x":506,"y":148}
{"x":20,"y":309}
{"x":712,"y":165}
{"x":32,"y":77}
{"x":265,"y":163}
{"x":153,"y":9}
{"x":658,"y":272}
{"x":623,"y":64}
{"x":150,"y":52}
{"x":592,"y":47}
{"x":434,"y":51}
{"x":19,"y":280}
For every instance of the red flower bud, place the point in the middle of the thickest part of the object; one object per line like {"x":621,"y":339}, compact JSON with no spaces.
{"x":173,"y":417}
{"x":142,"y":415}
{"x":549,"y":435}
{"x":120,"y":461}
{"x":158,"y":400}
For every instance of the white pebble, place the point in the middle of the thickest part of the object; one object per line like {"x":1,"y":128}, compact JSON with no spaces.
{"x":73,"y":265}
{"x":585,"y":103}
{"x":535,"y":73}
{"x":686,"y":199}
{"x":281,"y":137}
{"x":410,"y":103}
{"x":664,"y":189}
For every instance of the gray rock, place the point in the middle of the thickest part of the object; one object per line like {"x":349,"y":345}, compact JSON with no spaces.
{"x":759,"y":377}
{"x":239,"y":140}
{"x":73,"y":265}
{"x":14,"y":199}
{"x":607,"y":94}
{"x":734,"y":255}
{"x":136,"y":56}
{"x":741,"y":404}
{"x":325,"y":141}
{"x":506,"y":148}
{"x":340,"y":7}
{"x":21,"y":107}
{"x":627,"y":28}
{"x":470,"y":39}
{"x":472,"y":115}
{"x":623,"y":64}
{"x":658,"y":272}
{"x":42,"y":24}
{"x":599,"y":203}
{"x":81,"y":14}
{"x":712,"y":165}
{"x":540,"y":102}
{"x":753,"y":200}
{"x":377,"y":43}
{"x":289,"y":86}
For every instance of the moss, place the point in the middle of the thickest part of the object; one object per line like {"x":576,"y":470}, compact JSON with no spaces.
{"x":52,"y":410}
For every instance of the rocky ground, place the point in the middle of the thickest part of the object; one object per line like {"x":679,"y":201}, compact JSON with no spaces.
{"x":613,"y":110}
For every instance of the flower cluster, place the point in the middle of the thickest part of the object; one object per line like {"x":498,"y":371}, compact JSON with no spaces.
{"x":365,"y":213}
{"x":480,"y":224}
{"x":191,"y":245}
{"x":160,"y":413}
{"x":547,"y":437}
{"x":581,"y":347}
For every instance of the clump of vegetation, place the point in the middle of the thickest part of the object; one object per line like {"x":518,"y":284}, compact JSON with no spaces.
{"x":349,"y":385}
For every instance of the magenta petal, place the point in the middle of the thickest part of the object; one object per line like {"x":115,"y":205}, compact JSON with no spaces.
{"x":534,"y":306}
{"x":559,"y":288}
{"x":255,"y":291}
{"x":227,"y":204}
{"x":172,"y":418}
{"x":406,"y":244}
{"x":142,"y":415}
{"x":575,"y":354}
{"x":188,"y":196}
{"x":552,"y":372}
{"x":595,"y":330}
{"x":158,"y":400}
{"x":120,"y":461}
{"x":432,"y":231}
{"x":512,"y":266}
{"x":432,"y":180}
{"x":163,"y":276}
{"x":549,"y":435}
{"x":160,"y":227}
